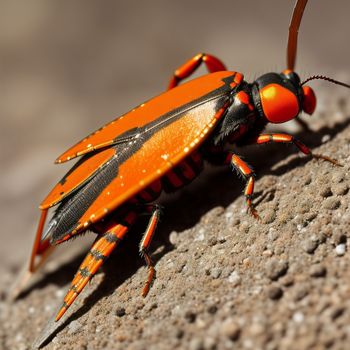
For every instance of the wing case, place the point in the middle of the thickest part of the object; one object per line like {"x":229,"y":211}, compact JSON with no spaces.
{"x":144,"y":152}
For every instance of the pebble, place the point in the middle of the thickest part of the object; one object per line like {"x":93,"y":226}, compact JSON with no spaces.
{"x":279,"y":249}
{"x":310,"y":246}
{"x":308,"y":180}
{"x":230,"y":330}
{"x":298,"y":317}
{"x":325,"y":138}
{"x":215,"y":272}
{"x":55,"y":340}
{"x":272,"y":235}
{"x":268,"y":253}
{"x":341,"y":189}
{"x":318,"y":270}
{"x":326,"y":192}
{"x":303,"y":207}
{"x":276,"y":269}
{"x":320,"y":238}
{"x":340,"y":249}
{"x":234,"y":278}
{"x":228,"y":215}
{"x":300,"y":292}
{"x":287,"y":281}
{"x":212,"y":241}
{"x":173,"y":237}
{"x":244,"y":227}
{"x":310,"y":216}
{"x":331,"y":203}
{"x":274,"y":292}
{"x":201,"y":235}
{"x":196,"y":344}
{"x":210,"y":343}
{"x":269,"y":216}
{"x":222,"y":240}
{"x":338,"y":176}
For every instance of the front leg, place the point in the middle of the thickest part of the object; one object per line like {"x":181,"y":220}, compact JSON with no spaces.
{"x":212,"y":63}
{"x":145,"y":244}
{"x":217,"y":155}
{"x":285,"y":138}
{"x":248,"y":175}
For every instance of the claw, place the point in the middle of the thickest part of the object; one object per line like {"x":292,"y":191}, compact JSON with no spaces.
{"x":150,"y":279}
{"x":252,"y":211}
{"x":151,"y":275}
{"x":327,"y":159}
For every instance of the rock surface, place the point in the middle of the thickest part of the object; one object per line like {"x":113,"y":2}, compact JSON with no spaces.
{"x":224,"y":280}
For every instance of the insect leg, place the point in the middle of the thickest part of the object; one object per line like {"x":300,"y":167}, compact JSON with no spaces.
{"x":245,"y":170}
{"x":145,"y":244}
{"x":42,"y":250}
{"x":212,"y":63}
{"x":99,"y":252}
{"x":39,"y":247}
{"x":285,"y":138}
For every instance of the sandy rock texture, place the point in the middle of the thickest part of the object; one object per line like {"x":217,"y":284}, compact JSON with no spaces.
{"x":224,"y":280}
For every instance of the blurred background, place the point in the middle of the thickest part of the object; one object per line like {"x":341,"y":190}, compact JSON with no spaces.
{"x":68,"y":67}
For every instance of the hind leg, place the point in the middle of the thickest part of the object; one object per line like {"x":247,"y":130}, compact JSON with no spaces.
{"x":40,"y":248}
{"x":100,"y":250}
{"x":40,"y":252}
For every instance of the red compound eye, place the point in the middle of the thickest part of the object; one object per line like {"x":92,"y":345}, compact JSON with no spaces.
{"x":279,"y":103}
{"x":309,"y":103}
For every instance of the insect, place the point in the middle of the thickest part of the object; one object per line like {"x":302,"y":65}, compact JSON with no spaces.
{"x":161,"y":145}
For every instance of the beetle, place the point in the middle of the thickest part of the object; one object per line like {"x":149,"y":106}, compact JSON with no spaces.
{"x":161,"y":145}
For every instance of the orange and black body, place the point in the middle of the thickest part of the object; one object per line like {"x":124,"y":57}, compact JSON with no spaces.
{"x":162,"y":145}
{"x":239,"y":111}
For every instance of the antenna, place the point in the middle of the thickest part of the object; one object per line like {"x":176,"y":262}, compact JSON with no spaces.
{"x":325,"y":78}
{"x":293,"y":32}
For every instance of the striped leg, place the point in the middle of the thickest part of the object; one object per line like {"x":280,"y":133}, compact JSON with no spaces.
{"x":212,"y":63}
{"x":100,"y":250}
{"x":145,"y":244}
{"x":285,"y":138}
{"x":244,"y":169}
